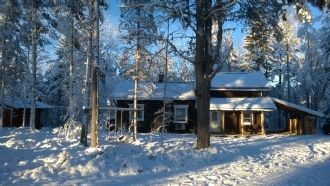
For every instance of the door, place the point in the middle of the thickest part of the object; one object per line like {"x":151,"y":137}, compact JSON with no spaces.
{"x":231,"y":123}
{"x":215,"y":124}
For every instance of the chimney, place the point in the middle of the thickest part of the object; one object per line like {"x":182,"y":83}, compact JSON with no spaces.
{"x":160,"y":78}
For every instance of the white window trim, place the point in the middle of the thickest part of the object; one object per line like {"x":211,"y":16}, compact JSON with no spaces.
{"x":186,"y":113}
{"x":131,"y":112}
{"x":251,"y":117}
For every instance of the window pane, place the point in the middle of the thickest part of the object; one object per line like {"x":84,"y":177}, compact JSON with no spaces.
{"x":180,"y":114}
{"x":247,"y":118}
{"x":139,"y":115}
{"x":214,"y":116}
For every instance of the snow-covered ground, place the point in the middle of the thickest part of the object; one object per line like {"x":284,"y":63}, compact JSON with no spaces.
{"x":45,"y":157}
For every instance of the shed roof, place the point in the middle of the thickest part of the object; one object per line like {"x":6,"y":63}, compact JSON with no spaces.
{"x":255,"y":104}
{"x":240,"y":81}
{"x":291,"y":106}
{"x":155,"y":91}
{"x":20,"y":103}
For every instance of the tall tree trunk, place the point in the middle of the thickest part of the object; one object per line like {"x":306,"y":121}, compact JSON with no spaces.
{"x":26,"y":86}
{"x":2,"y":95}
{"x":94,"y":132}
{"x":136,"y":78}
{"x":34,"y":66}
{"x":71,"y":66}
{"x":3,"y":73}
{"x":203,"y":61}
{"x":288,"y":71}
{"x":165,"y":77}
{"x":87,"y":91}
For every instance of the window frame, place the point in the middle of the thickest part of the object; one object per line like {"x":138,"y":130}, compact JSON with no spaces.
{"x":139,"y":106}
{"x":185,"y":120}
{"x":214,"y":113}
{"x":250,"y":113}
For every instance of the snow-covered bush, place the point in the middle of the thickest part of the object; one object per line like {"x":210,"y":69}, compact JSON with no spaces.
{"x":71,"y":130}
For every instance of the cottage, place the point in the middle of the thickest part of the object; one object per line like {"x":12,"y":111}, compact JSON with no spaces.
{"x":13,"y":113}
{"x":238,"y":105}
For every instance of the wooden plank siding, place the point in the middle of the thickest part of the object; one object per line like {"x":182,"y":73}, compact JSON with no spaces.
{"x":14,"y":117}
{"x":232,"y":123}
{"x":153,"y":116}
{"x":237,"y":94}
{"x":301,"y":124}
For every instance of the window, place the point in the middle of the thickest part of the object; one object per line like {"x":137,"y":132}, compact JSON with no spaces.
{"x":180,"y":113}
{"x":140,"y":113}
{"x":214,"y":115}
{"x":247,"y":118}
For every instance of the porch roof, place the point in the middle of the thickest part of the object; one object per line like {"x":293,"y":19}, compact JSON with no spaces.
{"x":287,"y":106}
{"x":236,"y":104}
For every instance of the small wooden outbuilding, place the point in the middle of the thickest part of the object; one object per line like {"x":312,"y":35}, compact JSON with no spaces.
{"x":13,"y":113}
{"x":300,"y":120}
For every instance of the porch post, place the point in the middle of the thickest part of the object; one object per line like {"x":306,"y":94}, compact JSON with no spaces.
{"x":121,"y":122}
{"x":302,"y":124}
{"x":222,"y":113}
{"x":290,"y":125}
{"x":263,"y":131}
{"x":241,"y":123}
{"x":116,"y":112}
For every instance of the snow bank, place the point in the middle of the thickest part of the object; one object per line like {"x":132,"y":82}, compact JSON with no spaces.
{"x":44,"y":157}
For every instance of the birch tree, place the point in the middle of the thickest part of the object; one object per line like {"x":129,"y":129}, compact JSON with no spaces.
{"x":138,"y":23}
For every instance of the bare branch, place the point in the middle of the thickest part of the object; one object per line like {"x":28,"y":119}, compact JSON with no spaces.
{"x":218,"y":7}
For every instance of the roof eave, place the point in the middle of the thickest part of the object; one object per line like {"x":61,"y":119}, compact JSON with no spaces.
{"x":241,"y":89}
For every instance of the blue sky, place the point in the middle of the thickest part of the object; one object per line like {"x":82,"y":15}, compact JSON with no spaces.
{"x":113,"y":14}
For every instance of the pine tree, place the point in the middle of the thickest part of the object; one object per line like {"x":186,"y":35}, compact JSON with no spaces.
{"x":10,"y":50}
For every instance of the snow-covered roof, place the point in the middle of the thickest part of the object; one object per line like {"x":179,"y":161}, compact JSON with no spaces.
{"x":259,"y":103}
{"x":19,"y":103}
{"x":240,"y":81}
{"x":155,"y":91}
{"x":297,"y":107}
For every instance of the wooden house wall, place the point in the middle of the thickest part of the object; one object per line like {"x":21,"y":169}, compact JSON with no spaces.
{"x":151,"y":118}
{"x":232,"y":123}
{"x":300,"y":123}
{"x":14,"y":117}
{"x":191,"y":126}
{"x":238,"y":94}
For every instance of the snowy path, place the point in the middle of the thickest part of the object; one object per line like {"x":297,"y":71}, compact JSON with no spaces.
{"x":43,"y":157}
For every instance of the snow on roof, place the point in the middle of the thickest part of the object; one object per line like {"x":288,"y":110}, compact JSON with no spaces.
{"x":155,"y":91}
{"x":19,"y":103}
{"x":260,"y":103}
{"x":239,"y":80}
{"x":298,"y":107}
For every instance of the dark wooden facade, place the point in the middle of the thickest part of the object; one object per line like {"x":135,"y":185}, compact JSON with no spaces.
{"x":153,"y":115}
{"x":14,"y":117}
{"x":232,"y":123}
{"x":238,"y":94}
{"x":298,"y":121}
